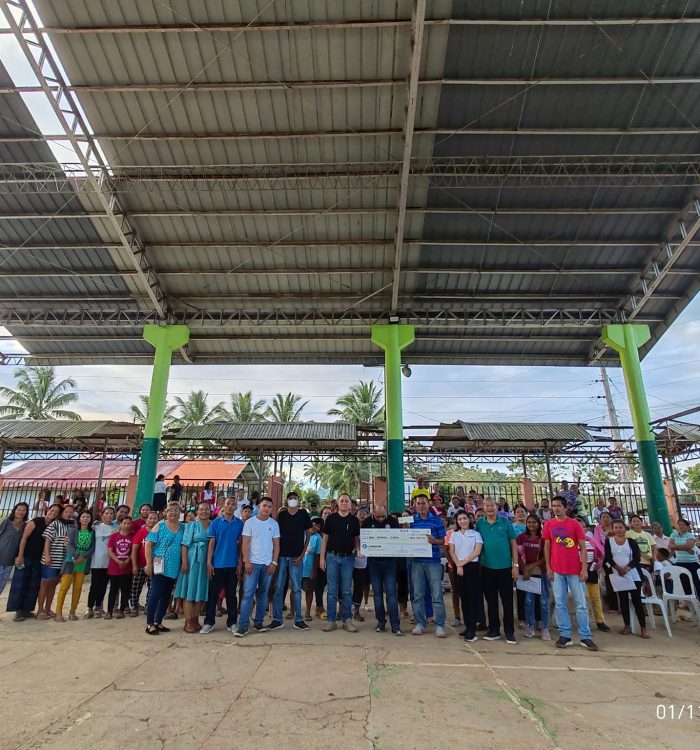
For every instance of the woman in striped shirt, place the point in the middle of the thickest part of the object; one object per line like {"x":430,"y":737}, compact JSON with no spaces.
{"x":55,"y":544}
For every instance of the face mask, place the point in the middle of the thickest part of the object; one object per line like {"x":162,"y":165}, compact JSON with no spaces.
{"x":292,"y":502}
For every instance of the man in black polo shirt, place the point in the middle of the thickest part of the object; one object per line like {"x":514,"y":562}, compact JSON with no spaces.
{"x":295,"y":531}
{"x":341,"y":542}
{"x":382,"y":574}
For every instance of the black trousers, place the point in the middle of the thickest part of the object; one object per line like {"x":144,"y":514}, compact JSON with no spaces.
{"x":119,"y":586}
{"x":225,"y":579}
{"x":498,"y":582}
{"x":360,"y":579}
{"x":692,"y":568}
{"x":402,"y":581}
{"x":319,"y":588}
{"x":469,"y":589}
{"x":636,"y":601}
{"x":98,"y":587}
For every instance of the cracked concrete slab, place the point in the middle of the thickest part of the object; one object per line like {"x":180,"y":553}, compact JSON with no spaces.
{"x":105,"y":685}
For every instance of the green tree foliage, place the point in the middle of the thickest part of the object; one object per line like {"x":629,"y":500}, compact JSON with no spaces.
{"x":244,"y":409}
{"x":39,"y":395}
{"x":361,"y":405}
{"x":194,"y":411}
{"x":286,"y":408}
{"x":139,"y":413}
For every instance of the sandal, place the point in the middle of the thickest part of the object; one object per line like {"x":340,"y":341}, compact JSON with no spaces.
{"x":107,"y":616}
{"x":308,"y":618}
{"x":152,"y":630}
{"x":72,"y":616}
{"x":42,"y":616}
{"x":59,"y":618}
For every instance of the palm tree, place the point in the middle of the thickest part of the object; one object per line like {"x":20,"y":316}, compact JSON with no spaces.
{"x":39,"y":395}
{"x":362,"y":405}
{"x":285,"y":408}
{"x":139,"y":413}
{"x":244,"y":409}
{"x":194,"y":410}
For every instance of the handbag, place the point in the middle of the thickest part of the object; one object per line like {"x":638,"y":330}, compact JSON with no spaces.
{"x":159,"y":562}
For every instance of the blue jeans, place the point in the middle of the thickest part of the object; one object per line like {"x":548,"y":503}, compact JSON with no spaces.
{"x":432,"y":573}
{"x":257,"y":585}
{"x":382,"y":574}
{"x":428,"y":598}
{"x":562,"y":585}
{"x":339,"y":575}
{"x":286,"y":564}
{"x":544,"y":605}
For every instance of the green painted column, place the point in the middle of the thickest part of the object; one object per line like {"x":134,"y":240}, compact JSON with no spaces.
{"x":164,"y":340}
{"x":392,"y":338}
{"x":626,"y":339}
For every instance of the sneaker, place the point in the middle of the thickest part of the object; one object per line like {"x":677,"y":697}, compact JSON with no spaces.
{"x":380,"y":629}
{"x":418,"y":630}
{"x":588,"y":643}
{"x":241,"y":633}
{"x":258,"y":627}
{"x":300,"y":625}
{"x":529,"y":632}
{"x":545,"y":635}
{"x":440,"y":632}
{"x":492,"y":635}
{"x":206,"y":629}
{"x":563,"y":642}
{"x":463,"y":634}
{"x":481,"y":627}
{"x":455,"y":623}
{"x":231,"y":628}
{"x":274,"y":625}
{"x":89,"y":615}
{"x":330,"y":625}
{"x":219,"y":612}
{"x":510,"y":638}
{"x":396,"y":631}
{"x":349,"y":626}
{"x":470,"y":638}
{"x":602,"y":627}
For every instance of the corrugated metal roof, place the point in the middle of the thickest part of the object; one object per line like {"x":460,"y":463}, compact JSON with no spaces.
{"x":50,"y":473}
{"x":247,"y":436}
{"x":37,"y":434}
{"x":509,"y":437}
{"x":184,"y":110}
{"x":678,"y":437}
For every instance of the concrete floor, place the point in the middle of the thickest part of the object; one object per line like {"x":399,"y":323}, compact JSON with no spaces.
{"x":104,"y":685}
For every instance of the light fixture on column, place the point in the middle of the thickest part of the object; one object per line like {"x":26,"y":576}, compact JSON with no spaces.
{"x":406,"y":370}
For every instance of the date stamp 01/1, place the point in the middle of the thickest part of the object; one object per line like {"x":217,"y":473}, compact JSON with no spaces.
{"x":673,"y":712}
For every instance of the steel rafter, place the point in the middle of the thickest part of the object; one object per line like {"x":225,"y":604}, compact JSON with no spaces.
{"x":26,"y":30}
{"x":541,"y":171}
{"x":79,"y":316}
{"x":389,"y":23}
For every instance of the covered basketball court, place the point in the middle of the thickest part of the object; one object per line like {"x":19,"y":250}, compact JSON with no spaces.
{"x":451,"y":182}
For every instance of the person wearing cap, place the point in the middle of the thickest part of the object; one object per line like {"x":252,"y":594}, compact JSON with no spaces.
{"x":295,"y":531}
{"x":421,"y":489}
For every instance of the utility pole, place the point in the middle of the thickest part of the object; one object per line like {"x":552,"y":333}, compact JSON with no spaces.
{"x":614,"y":423}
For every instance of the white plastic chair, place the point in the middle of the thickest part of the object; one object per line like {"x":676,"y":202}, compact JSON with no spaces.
{"x":674,"y":575}
{"x":650,"y":601}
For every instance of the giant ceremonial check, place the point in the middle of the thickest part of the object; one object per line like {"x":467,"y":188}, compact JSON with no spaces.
{"x":395,"y":543}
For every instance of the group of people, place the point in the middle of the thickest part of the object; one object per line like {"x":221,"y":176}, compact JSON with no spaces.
{"x":232,"y":557}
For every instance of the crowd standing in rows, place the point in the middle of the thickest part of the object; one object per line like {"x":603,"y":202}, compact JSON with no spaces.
{"x":230,"y":556}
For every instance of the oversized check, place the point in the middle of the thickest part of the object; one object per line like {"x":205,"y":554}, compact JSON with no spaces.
{"x":395,"y":543}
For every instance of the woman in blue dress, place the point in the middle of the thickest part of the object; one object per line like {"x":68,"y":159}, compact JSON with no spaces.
{"x":163,"y":560}
{"x":193,"y":582}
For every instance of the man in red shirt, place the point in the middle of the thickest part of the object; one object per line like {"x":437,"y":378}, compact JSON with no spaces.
{"x":566,"y":558}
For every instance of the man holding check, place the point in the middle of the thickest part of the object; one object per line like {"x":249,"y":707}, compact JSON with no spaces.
{"x":382,"y":574}
{"x":428,"y":570}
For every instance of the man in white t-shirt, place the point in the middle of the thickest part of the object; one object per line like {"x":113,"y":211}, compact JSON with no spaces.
{"x":260,"y":548}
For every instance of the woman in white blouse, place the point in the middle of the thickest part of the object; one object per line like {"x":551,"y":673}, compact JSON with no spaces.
{"x":464,"y":550}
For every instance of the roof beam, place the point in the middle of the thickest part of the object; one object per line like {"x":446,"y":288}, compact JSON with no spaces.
{"x":550,"y":270}
{"x":16,"y":318}
{"x":25,"y":29}
{"x":227,"y":86}
{"x":262,"y":213}
{"x":275,"y":135}
{"x":640,"y":243}
{"x":209,"y":28}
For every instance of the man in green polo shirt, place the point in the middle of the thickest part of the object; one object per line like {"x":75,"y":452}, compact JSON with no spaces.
{"x":499,"y":568}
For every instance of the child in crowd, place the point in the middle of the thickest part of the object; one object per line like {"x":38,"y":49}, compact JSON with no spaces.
{"x":119,"y":569}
